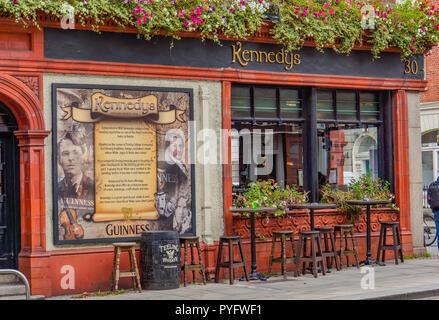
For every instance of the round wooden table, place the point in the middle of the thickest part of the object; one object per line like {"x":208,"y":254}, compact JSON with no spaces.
{"x":312,"y":206}
{"x":368,"y":203}
{"x":254,"y":275}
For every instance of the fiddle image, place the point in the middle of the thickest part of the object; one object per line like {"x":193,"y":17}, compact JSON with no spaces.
{"x":68,"y":219}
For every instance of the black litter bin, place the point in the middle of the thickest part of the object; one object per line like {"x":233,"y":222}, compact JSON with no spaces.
{"x":160,"y":260}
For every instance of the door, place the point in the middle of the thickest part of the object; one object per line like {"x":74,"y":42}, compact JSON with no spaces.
{"x":9,"y":192}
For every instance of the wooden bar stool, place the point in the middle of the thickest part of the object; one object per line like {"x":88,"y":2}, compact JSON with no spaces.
{"x":329,"y":252}
{"x":395,"y":246}
{"x":190,"y":242}
{"x":132,"y":273}
{"x":283,"y":259}
{"x":315,"y":256}
{"x":346,"y":231}
{"x":230,"y":264}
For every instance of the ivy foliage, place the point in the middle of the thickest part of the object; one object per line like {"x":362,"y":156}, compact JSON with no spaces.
{"x":411,"y":25}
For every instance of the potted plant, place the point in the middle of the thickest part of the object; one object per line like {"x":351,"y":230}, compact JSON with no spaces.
{"x":268,"y":193}
{"x":365,"y":187}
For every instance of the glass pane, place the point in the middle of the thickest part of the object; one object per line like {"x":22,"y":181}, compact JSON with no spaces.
{"x":290,"y":105}
{"x":235,"y":157}
{"x":427,"y":167}
{"x":346,"y":109}
{"x":293,"y":155}
{"x":325,"y":108}
{"x":430,"y":139}
{"x":345,"y":154}
{"x":437,"y":164}
{"x":265,"y":103}
{"x":369,"y":106}
{"x":240,"y":102}
{"x":267,"y":152}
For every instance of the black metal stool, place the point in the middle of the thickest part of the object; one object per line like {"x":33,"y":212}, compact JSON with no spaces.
{"x":191,"y":241}
{"x":346,"y":231}
{"x":330,"y":253}
{"x":283,"y":259}
{"x":230,"y":264}
{"x":315,"y":255}
{"x":395,"y":246}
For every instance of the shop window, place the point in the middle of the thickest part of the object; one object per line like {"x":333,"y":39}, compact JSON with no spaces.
{"x":268,"y":145}
{"x":350,"y":136}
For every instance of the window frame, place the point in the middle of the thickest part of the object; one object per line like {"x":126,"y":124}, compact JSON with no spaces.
{"x":278,"y":119}
{"x":309,"y":121}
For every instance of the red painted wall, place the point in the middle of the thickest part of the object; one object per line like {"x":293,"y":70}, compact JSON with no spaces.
{"x":21,"y":90}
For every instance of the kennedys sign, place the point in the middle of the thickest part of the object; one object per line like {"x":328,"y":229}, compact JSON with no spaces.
{"x":191,"y":52}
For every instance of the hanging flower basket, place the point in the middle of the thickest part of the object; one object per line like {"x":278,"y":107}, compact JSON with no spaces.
{"x":411,"y":27}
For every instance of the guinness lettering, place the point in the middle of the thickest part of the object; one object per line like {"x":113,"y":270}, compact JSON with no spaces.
{"x":125,"y":230}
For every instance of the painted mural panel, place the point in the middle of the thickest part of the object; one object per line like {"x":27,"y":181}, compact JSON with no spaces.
{"x":121,"y":162}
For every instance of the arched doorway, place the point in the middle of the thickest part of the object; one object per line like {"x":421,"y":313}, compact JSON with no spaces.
{"x":10,"y":233}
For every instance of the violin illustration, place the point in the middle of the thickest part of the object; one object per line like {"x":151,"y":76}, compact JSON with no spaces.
{"x":68,"y":220}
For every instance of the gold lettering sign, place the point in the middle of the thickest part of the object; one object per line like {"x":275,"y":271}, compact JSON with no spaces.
{"x":123,"y":108}
{"x":243,"y":57}
{"x":103,"y":106}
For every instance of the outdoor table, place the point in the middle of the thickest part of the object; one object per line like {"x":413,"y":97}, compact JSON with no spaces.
{"x":368,"y":203}
{"x":312,"y":206}
{"x":254,"y":275}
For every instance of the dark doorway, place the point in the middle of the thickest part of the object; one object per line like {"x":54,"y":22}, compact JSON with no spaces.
{"x":9,"y":191}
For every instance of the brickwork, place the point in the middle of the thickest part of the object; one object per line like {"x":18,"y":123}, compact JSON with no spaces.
{"x":432,"y":72}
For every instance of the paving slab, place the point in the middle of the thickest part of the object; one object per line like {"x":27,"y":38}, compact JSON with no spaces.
{"x":413,"y":279}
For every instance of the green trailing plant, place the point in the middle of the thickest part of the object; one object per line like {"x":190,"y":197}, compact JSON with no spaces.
{"x":411,"y":26}
{"x":365,"y":187}
{"x":269,"y":193}
{"x":339,"y":197}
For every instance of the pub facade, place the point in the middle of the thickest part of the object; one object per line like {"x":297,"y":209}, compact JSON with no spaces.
{"x":105,"y":136}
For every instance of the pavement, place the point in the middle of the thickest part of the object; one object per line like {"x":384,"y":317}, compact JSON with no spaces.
{"x":413,"y":279}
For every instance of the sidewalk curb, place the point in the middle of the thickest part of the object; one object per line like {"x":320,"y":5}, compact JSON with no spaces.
{"x":408,"y":295}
